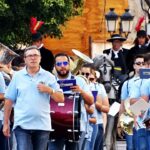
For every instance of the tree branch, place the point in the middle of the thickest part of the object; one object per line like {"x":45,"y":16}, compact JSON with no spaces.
{"x":148,"y":4}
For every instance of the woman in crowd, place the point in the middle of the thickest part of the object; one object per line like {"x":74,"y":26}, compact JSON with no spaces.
{"x":141,"y":46}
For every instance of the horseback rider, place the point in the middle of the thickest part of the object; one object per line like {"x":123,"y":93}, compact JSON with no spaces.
{"x":119,"y":74}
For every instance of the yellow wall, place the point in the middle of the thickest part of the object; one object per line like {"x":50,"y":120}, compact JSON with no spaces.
{"x":92,"y":23}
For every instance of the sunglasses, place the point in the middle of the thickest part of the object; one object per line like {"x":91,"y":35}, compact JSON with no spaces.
{"x":64,"y":63}
{"x":85,"y":74}
{"x":139,"y":63}
{"x":91,"y":79}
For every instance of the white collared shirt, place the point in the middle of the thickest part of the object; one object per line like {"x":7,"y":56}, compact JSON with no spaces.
{"x":116,"y":52}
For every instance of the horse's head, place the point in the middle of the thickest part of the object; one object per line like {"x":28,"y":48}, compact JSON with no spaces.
{"x":104,"y":65}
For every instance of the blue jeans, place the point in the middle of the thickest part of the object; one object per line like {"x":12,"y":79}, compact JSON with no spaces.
{"x":59,"y":144}
{"x":141,"y":139}
{"x":31,"y":139}
{"x":99,"y":138}
{"x":131,"y":140}
{"x":90,"y":144}
{"x":82,"y":141}
{"x":148,"y":139}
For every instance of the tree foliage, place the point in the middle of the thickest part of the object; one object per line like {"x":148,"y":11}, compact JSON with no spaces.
{"x":15,"y":18}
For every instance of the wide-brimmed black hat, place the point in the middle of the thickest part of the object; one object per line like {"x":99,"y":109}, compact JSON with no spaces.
{"x":141,"y":33}
{"x":116,"y":37}
{"x":36,"y":36}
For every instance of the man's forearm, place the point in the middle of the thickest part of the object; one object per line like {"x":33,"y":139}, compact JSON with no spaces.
{"x":105,"y":109}
{"x":1,"y":97}
{"x":7,"y":111}
{"x":58,"y":96}
{"x":88,"y":99}
{"x":89,"y":109}
{"x":102,"y":105}
{"x":102,"y":108}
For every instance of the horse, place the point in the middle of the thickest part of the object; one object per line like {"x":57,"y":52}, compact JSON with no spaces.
{"x":104,"y":65}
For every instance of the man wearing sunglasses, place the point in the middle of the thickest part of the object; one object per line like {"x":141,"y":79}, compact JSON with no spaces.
{"x":145,"y":94}
{"x":62,"y":66}
{"x":132,"y":89}
{"x":143,"y":134}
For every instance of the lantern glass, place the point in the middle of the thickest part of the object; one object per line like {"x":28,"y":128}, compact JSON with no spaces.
{"x":111,"y":25}
{"x":126,"y":25}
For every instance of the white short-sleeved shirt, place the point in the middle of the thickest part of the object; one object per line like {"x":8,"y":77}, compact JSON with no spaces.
{"x":132,"y":89}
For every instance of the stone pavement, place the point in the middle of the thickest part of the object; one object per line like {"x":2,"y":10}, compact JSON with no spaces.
{"x":121,"y":145}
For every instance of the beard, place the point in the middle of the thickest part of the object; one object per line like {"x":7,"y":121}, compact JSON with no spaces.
{"x":63,"y":73}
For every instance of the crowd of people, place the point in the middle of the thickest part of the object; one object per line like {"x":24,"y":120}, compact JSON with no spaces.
{"x":28,"y":84}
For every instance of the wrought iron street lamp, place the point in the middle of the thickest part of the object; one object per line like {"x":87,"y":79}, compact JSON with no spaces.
{"x":111,"y":21}
{"x":125,"y":23}
{"x":148,"y":28}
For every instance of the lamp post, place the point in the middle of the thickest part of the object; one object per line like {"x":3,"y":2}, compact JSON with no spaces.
{"x":148,"y":28}
{"x":111,"y":21}
{"x":125,"y":24}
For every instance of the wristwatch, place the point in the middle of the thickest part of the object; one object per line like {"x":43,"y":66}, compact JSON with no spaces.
{"x":53,"y":91}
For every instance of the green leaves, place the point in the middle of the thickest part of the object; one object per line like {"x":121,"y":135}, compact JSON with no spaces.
{"x":50,"y":3}
{"x":3,"y":7}
{"x":15,"y":18}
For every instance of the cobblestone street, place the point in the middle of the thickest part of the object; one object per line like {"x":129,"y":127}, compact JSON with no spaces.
{"x":121,"y":145}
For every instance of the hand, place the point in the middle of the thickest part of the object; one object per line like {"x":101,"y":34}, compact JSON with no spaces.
{"x":89,"y":109}
{"x":43,"y":88}
{"x":6,"y":130}
{"x":92,"y":120}
{"x":141,"y":115}
{"x":76,"y":88}
{"x":120,"y":132}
